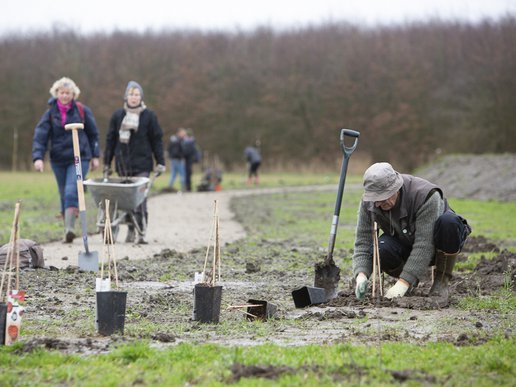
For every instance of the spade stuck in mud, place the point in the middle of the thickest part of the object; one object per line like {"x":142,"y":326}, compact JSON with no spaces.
{"x":327,"y":274}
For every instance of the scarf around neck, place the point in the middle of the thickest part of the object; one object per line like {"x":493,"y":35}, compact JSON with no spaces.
{"x":63,"y":109}
{"x":130,"y":121}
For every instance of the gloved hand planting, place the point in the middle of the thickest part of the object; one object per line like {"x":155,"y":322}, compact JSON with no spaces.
{"x":398,"y":290}
{"x":361,"y":286}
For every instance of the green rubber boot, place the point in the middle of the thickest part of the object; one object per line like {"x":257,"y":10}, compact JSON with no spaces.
{"x":69,"y":223}
{"x":444,"y":264}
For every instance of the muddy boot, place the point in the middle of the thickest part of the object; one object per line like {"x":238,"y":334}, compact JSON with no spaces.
{"x":444,"y":264}
{"x":142,"y":225}
{"x":131,"y":235}
{"x":69,"y":222}
{"x":141,"y":240}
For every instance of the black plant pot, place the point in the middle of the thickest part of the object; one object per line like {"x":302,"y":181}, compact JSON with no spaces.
{"x":3,"y":321}
{"x":207,"y":299}
{"x":263,"y":310}
{"x":111,"y":312}
{"x":308,"y":295}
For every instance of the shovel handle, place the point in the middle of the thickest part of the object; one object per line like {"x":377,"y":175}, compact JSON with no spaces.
{"x":347,"y":151}
{"x":80,"y":188}
{"x":77,"y":160}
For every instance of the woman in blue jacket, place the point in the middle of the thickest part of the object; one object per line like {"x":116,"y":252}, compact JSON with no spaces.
{"x":50,"y":132}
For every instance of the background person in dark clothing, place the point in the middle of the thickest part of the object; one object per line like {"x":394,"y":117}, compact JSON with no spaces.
{"x":192,"y":155}
{"x":64,"y":109}
{"x":135,"y":140}
{"x":254,"y":160}
{"x":177,"y":158}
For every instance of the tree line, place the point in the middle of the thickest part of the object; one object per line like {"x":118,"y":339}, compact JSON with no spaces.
{"x":412,"y":90}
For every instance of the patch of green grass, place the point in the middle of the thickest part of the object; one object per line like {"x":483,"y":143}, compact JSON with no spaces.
{"x":503,"y":301}
{"x":291,"y":215}
{"x":488,"y":364}
{"x":488,"y":218}
{"x":474,"y":259}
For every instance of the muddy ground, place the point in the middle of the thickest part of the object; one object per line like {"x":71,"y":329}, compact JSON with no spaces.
{"x":158,"y":278}
{"x":61,"y":304}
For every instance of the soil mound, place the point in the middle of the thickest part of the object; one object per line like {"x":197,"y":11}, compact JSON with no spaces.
{"x":483,"y":177}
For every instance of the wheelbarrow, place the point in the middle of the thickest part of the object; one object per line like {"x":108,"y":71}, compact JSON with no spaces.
{"x":125,"y":195}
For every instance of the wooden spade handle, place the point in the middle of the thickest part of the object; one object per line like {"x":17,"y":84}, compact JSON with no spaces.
{"x":77,"y":159}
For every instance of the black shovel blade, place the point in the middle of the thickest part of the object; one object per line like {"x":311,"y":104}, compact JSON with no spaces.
{"x":327,"y":276}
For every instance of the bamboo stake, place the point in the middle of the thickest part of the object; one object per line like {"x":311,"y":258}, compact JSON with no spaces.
{"x":216,"y":246}
{"x":243,"y":306}
{"x":109,"y":242}
{"x":11,"y":251}
{"x":112,"y":253}
{"x":380,"y":276}
{"x":376,"y":262}
{"x":105,"y":249}
{"x":208,"y":249}
{"x":7,"y":258}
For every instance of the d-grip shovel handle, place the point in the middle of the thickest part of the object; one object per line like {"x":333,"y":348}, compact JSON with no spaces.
{"x":78,"y":172}
{"x":347,"y":151}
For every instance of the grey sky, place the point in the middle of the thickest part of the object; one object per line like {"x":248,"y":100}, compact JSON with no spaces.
{"x":106,"y":15}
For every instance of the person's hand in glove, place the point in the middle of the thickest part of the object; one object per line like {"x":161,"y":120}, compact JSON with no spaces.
{"x":361,"y":286}
{"x":398,"y":290}
{"x":160,"y":169}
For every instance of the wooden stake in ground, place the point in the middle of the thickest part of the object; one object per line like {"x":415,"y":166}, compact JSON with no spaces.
{"x":109,"y":247}
{"x":376,"y":262}
{"x":216,"y":263}
{"x":13,"y":296}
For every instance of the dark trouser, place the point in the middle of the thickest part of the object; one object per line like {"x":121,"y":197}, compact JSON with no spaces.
{"x":188,"y":174}
{"x":253,"y":168}
{"x":140,"y":212}
{"x":450,"y":233}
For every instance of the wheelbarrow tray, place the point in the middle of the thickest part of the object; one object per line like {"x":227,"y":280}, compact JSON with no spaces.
{"x":126,"y":193}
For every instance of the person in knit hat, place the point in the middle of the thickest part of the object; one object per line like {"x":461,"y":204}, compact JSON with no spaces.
{"x":63,"y":108}
{"x":135,"y":140}
{"x":418,"y":228}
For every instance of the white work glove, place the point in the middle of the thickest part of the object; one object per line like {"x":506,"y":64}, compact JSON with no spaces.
{"x":361,"y":286}
{"x":160,"y":169}
{"x":398,"y":290}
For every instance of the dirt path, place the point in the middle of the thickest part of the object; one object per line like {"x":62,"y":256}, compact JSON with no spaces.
{"x":179,"y":222}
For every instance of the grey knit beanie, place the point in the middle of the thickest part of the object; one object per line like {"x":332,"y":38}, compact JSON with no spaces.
{"x":133,"y":85}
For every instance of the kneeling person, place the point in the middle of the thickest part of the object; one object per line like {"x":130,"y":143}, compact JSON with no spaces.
{"x":419,"y":230}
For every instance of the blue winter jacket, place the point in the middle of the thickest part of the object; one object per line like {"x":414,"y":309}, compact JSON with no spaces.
{"x":50,"y":131}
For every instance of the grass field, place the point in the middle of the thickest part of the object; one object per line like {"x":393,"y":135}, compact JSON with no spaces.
{"x":380,"y":363}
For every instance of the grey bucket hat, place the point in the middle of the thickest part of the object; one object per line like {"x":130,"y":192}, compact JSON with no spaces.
{"x":381,"y":181}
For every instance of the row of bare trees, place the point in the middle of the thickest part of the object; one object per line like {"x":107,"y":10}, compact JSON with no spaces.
{"x":410,"y":90}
